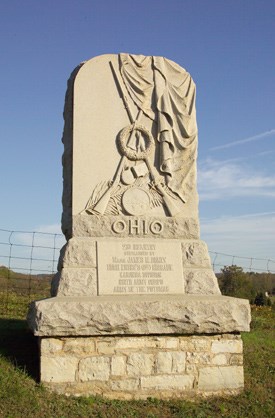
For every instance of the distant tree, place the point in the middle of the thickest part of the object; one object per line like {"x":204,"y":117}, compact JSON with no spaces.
{"x":233,"y":281}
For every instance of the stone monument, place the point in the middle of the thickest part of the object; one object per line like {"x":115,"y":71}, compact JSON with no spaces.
{"x":136,"y":309}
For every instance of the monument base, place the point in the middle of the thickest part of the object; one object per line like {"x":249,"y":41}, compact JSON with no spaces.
{"x":162,"y":346}
{"x":138,"y":367}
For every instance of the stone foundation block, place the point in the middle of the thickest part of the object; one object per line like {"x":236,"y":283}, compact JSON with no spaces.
{"x":219,"y":378}
{"x":137,"y":367}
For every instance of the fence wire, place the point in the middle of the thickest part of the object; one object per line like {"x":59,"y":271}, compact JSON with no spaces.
{"x":28,"y":261}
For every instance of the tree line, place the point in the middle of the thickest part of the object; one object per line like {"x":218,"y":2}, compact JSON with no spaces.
{"x":259,"y":288}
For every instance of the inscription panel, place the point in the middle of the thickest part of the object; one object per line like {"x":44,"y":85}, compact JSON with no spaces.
{"x":139,"y":267}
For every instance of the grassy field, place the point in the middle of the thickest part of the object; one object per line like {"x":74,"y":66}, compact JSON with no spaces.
{"x":22,"y":396}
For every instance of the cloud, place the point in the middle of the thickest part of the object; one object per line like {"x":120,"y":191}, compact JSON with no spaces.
{"x":219,"y":180}
{"x":247,"y":240}
{"x":49,"y":229}
{"x":245,"y":140}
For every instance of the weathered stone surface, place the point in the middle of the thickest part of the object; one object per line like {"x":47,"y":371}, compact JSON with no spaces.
{"x":220,"y":360}
{"x":198,"y":358}
{"x":118,"y":366}
{"x":102,"y":226}
{"x":94,"y":368}
{"x":140,"y":364}
{"x":183,"y":314}
{"x":222,"y":346}
{"x":218,"y":378}
{"x":195,"y":254}
{"x":79,"y":346}
{"x":51,"y":345}
{"x":170,"y":362}
{"x":178,"y":362}
{"x":129,"y":343}
{"x":167,"y":382}
{"x":58,"y":369}
{"x":125,"y":385}
{"x":164,"y":362}
{"x":75,"y":282}
{"x":80,"y":252}
{"x":201,"y":282}
{"x":195,"y":344}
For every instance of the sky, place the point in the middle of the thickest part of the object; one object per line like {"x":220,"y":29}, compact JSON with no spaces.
{"x":227,"y":47}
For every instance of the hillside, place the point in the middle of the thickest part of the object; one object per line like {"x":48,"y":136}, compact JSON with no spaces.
{"x":11,"y":281}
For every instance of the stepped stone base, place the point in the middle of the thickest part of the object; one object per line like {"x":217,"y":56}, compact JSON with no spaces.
{"x":134,"y":347}
{"x":138,"y":367}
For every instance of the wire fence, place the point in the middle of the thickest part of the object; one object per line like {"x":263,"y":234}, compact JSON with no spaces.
{"x":28,"y":261}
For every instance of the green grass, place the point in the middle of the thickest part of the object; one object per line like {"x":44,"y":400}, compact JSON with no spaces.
{"x":22,"y":396}
{"x":16,"y":305}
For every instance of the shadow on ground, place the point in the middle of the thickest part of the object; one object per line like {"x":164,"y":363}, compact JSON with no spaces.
{"x":19,"y":345}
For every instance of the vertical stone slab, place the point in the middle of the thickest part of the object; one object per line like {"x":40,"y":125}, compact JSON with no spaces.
{"x":130,"y":168}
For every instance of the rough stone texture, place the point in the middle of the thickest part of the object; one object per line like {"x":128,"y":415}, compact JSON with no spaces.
{"x":79,"y":268}
{"x":80,"y":252}
{"x":118,"y":367}
{"x":75,"y":282}
{"x":201,"y":282}
{"x":142,"y":366}
{"x":167,"y":382}
{"x":94,"y":368}
{"x":226,"y":347}
{"x":101,"y":226}
{"x":109,"y":315}
{"x":195,"y":254}
{"x":219,"y":378}
{"x":58,"y":369}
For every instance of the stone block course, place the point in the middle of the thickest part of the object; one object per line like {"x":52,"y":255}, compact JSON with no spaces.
{"x":94,"y":368}
{"x":167,"y":382}
{"x":142,"y":366}
{"x":227,"y":346}
{"x":118,"y":366}
{"x":59,"y":369}
{"x":218,"y":378}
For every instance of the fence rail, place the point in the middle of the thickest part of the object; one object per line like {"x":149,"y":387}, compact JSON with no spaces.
{"x":28,"y":260}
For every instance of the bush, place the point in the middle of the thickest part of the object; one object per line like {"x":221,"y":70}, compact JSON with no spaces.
{"x":262,"y":300}
{"x":233,"y":281}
